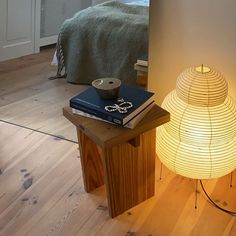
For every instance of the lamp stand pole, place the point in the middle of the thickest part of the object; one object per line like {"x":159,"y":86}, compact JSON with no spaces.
{"x":161,"y":171}
{"x":231,"y":179}
{"x":196,"y":192}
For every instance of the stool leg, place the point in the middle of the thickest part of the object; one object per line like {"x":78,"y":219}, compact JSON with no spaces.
{"x":91,"y":163}
{"x":130,"y":173}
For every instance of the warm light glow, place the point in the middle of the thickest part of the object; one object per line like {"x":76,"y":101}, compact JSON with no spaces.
{"x":200,"y":140}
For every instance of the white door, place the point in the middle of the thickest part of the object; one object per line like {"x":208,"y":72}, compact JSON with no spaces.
{"x":17,"y":28}
{"x":52,"y":15}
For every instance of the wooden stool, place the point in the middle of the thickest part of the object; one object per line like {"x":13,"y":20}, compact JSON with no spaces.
{"x":122,"y":158}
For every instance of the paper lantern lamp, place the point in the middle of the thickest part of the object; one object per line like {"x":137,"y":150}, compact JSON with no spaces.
{"x":199,"y":142}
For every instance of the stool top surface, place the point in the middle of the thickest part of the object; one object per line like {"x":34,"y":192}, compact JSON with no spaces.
{"x":106,"y":135}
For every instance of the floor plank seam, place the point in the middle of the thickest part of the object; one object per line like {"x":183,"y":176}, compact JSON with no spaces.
{"x":39,"y":131}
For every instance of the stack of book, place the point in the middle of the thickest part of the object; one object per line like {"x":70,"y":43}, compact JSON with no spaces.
{"x":127,"y":110}
{"x":141,"y":66}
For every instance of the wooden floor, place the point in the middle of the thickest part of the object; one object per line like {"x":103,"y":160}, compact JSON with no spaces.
{"x":41,"y":188}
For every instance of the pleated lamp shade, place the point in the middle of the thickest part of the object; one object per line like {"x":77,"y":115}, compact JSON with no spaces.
{"x":199,"y":142}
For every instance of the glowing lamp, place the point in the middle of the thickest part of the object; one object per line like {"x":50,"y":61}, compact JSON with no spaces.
{"x":199,"y":142}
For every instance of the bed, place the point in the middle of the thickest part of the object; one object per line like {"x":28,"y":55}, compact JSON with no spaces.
{"x":104,"y":40}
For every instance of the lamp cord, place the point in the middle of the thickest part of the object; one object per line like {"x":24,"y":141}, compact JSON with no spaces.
{"x":233,"y":213}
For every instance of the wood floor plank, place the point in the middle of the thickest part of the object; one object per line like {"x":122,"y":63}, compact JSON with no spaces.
{"x":29,"y":98}
{"x":31,"y":162}
{"x":27,"y":61}
{"x":43,"y":111}
{"x":84,"y":210}
{"x":19,"y":83}
{"x":53,"y":166}
{"x":224,"y":196}
{"x":48,"y":204}
{"x":73,"y":210}
{"x":15,"y":144}
{"x":231,"y":228}
{"x":52,"y":221}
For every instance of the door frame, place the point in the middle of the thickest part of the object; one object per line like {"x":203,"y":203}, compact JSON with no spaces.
{"x":40,"y":42}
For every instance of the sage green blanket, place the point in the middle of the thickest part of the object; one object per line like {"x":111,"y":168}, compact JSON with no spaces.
{"x":103,"y":41}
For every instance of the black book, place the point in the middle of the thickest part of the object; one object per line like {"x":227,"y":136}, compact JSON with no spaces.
{"x":132,"y":100}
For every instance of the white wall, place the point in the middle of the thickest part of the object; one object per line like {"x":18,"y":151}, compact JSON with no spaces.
{"x":186,"y":33}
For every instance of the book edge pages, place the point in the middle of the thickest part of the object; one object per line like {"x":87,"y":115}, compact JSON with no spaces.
{"x":138,"y":110}
{"x":131,"y":124}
